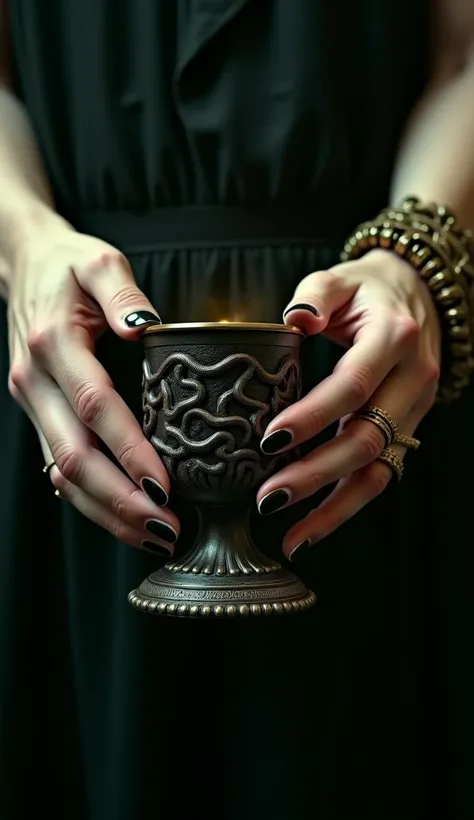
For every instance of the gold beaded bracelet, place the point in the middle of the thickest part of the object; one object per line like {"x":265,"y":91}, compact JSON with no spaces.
{"x":429,"y":238}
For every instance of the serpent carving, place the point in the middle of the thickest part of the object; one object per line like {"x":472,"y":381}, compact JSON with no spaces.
{"x":207,"y":432}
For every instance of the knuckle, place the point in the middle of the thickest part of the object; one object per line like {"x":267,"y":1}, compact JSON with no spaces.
{"x":376,"y":479}
{"x":59,"y":480}
{"x":427,"y":399}
{"x":315,"y":479}
{"x":89,"y":404}
{"x":108,"y":258}
{"x":127,"y":452}
{"x":19,"y":378}
{"x":120,"y":506}
{"x":368,"y":443}
{"x":315,"y":419}
{"x":315,"y":283}
{"x":358,"y":384}
{"x":119,"y":530}
{"x":41,"y":341}
{"x":406,"y":331}
{"x":126,"y":296}
{"x":69,"y":461}
{"x":13,"y":390}
{"x":430,"y":372}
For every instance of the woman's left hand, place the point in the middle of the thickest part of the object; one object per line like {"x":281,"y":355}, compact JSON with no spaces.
{"x":381,"y":310}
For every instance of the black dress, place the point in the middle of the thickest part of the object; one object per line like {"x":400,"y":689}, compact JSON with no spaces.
{"x":228,"y":147}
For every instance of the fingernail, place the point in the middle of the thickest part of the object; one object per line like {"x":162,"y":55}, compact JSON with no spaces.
{"x":300,"y":550}
{"x":301,"y":306}
{"x":276,"y":441}
{"x":155,"y":491}
{"x":273,"y":501}
{"x":162,"y":530}
{"x":142,"y":317}
{"x":156,"y":549}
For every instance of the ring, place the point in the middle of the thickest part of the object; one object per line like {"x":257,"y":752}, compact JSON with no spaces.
{"x":407,"y":441}
{"x":47,"y":467}
{"x":383,"y":420}
{"x":57,"y":494}
{"x":395,"y":463}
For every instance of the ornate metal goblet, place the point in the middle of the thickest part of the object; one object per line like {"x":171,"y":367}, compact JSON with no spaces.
{"x":209,"y":391}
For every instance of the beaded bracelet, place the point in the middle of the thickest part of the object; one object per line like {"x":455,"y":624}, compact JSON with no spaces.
{"x":429,"y":238}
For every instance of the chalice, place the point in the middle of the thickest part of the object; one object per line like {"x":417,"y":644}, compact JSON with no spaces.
{"x":209,"y":392}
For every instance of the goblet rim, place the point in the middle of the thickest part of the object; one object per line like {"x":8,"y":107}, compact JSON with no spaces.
{"x":180,"y":326}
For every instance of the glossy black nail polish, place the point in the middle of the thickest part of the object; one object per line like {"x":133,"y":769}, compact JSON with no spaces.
{"x":155,"y":491}
{"x":161,"y":530}
{"x":300,"y":550}
{"x":142,"y":317}
{"x":301,"y":306}
{"x":273,"y":501}
{"x":156,"y":549}
{"x":276,"y":441}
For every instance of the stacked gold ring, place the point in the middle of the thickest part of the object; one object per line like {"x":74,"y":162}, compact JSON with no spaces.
{"x":383,"y":420}
{"x":407,"y":441}
{"x":395,"y":463}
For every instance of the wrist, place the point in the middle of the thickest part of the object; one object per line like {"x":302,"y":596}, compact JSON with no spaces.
{"x":28,"y":222}
{"x":428,"y":237}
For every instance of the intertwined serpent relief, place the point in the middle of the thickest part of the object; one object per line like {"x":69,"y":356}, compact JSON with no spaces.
{"x":208,"y":435}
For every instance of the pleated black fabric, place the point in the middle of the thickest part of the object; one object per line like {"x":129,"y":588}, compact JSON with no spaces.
{"x":150,"y":115}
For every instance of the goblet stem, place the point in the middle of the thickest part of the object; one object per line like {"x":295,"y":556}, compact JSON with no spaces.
{"x":224,"y":545}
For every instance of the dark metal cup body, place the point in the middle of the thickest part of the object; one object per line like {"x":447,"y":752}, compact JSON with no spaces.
{"x":208,"y":396}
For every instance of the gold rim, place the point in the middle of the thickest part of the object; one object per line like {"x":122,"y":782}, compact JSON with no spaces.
{"x":222,"y":326}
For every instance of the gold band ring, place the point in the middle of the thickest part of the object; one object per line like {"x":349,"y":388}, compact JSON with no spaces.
{"x":407,"y":441}
{"x":383,"y":420}
{"x":395,"y":463}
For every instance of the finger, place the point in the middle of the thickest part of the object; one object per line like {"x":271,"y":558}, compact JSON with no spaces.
{"x":27,"y":409}
{"x":350,"y":495}
{"x":98,"y":406}
{"x":93,"y":510}
{"x":79,"y":462}
{"x":359,"y":444}
{"x":111,"y":283}
{"x":378,"y":349}
{"x":316,"y":298}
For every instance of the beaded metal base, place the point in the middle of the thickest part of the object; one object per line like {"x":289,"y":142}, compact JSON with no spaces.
{"x":201,"y":596}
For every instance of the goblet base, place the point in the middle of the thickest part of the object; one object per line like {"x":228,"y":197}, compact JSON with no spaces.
{"x":181,"y":594}
{"x":224,"y":574}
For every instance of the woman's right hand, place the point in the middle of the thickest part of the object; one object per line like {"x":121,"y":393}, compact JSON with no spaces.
{"x":65,"y":290}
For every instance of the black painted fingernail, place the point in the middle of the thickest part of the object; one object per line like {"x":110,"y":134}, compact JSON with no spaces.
{"x":301,"y":306}
{"x":155,"y":491}
{"x":156,"y":549}
{"x":276,"y":441}
{"x":142,"y":317}
{"x":273,"y":501}
{"x":161,"y":530}
{"x":300,"y":550}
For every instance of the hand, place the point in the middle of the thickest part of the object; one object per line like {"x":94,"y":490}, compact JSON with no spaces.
{"x":65,"y":290}
{"x":381,"y":310}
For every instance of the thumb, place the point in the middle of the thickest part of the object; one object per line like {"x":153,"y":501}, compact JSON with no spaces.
{"x":125,"y":306}
{"x":316,"y":298}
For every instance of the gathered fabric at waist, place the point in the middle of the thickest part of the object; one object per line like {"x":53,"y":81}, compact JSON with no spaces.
{"x":213,"y":227}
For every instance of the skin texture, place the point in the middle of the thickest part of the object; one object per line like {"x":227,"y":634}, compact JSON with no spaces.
{"x":61,"y":285}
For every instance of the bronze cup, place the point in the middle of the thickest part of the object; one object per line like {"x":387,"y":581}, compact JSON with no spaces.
{"x":209,"y":392}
